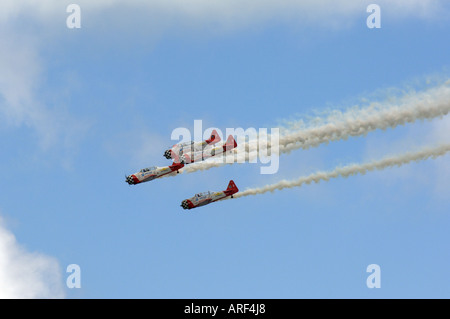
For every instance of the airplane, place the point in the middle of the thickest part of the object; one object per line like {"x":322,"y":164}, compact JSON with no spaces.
{"x":151,"y":173}
{"x":180,"y":148}
{"x":205,"y":198}
{"x":191,"y":157}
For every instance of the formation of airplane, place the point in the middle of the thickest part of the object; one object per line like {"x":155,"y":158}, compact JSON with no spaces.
{"x":186,"y":153}
{"x":205,"y":198}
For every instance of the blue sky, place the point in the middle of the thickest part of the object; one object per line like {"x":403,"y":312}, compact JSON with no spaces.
{"x":83,"y":107}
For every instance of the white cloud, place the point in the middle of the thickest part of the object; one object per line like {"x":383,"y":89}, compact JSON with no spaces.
{"x":229,"y":13}
{"x":21,"y":81}
{"x":20,"y":70}
{"x":25,"y":274}
{"x":27,"y":26}
{"x":139,"y":146}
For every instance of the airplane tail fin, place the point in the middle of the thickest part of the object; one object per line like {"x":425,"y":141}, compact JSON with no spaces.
{"x":214,"y":138}
{"x":232,"y":188}
{"x":230,"y":143}
{"x":176,"y":166}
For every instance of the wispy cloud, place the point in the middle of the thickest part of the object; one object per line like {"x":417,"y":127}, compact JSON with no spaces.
{"x":140,"y":146}
{"x":26,"y":25}
{"x":22,"y":79}
{"x":231,"y":13}
{"x":25,"y":274}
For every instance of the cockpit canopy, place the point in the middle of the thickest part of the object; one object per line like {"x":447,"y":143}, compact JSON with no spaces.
{"x":148,"y":169}
{"x":186,"y":143}
{"x":182,"y":145}
{"x":202,"y":195}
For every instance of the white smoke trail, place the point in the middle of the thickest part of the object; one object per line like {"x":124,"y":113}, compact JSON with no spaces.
{"x":350,"y":170}
{"x":433,"y":103}
{"x":243,"y":153}
{"x":426,"y":105}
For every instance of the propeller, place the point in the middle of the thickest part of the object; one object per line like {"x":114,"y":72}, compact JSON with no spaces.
{"x":128,"y":180}
{"x":184,"y":204}
{"x":167,"y":154}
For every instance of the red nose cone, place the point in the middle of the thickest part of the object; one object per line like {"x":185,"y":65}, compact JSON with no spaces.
{"x":135,"y":179}
{"x":190,"y":205}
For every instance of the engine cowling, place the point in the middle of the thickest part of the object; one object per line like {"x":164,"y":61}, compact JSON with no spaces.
{"x":167,"y":154}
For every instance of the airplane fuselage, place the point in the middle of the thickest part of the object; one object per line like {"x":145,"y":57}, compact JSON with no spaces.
{"x":149,"y":174}
{"x":206,"y":198}
{"x":207,"y":152}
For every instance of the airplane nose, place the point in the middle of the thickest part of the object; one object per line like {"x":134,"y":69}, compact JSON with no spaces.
{"x":167,"y":154}
{"x":187,"y":204}
{"x":130,"y":179}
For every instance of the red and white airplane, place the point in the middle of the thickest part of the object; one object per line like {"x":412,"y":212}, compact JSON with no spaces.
{"x":151,"y":173}
{"x":205,"y":198}
{"x":208,"y":152}
{"x":191,"y":147}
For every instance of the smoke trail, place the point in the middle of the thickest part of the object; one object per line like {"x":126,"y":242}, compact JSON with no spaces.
{"x":426,"y":105}
{"x":243,"y":153}
{"x":349,"y":170}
